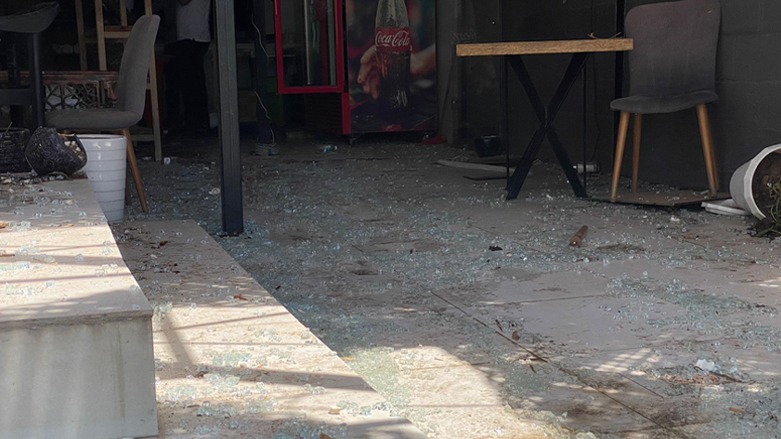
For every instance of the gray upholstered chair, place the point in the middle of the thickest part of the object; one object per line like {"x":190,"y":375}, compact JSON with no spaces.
{"x":672,"y":68}
{"x":131,"y":97}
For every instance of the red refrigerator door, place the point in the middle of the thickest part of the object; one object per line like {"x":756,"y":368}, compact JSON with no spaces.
{"x":309,"y":46}
{"x":391,"y":65}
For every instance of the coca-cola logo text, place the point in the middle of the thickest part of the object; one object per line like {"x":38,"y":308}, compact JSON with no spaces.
{"x":392,"y":40}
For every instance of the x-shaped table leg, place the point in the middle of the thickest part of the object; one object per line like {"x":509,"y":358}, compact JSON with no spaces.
{"x":546,"y":117}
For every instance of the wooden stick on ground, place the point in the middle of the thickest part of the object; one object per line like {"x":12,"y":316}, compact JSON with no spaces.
{"x":578,"y":238}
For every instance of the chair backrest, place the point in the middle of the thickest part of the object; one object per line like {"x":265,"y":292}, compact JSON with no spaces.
{"x":133,"y":70}
{"x":32,"y":20}
{"x":675,"y":47}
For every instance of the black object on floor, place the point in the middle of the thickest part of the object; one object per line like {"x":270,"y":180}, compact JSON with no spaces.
{"x":488,"y":146}
{"x":12,"y":144}
{"x":48,"y":152}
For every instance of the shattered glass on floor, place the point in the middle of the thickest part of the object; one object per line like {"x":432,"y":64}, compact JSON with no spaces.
{"x":474,"y":318}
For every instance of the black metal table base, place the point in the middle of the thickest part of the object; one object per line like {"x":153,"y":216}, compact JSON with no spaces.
{"x":546,"y":117}
{"x":32,"y":95}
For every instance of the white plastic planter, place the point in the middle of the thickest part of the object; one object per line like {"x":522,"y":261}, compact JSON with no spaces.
{"x":106,"y":161}
{"x":740,"y":185}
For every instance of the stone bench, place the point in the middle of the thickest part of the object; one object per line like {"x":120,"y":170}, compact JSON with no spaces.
{"x":76,"y":358}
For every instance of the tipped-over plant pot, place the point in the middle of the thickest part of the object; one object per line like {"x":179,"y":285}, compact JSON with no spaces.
{"x":48,"y":152}
{"x":748,"y":178}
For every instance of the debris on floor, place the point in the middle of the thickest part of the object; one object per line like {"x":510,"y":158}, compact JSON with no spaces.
{"x":382,"y":254}
{"x":724,"y":207}
{"x":230,"y":361}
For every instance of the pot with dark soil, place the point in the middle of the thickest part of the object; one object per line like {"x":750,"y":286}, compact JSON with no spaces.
{"x":767,"y":175}
{"x":766,"y":190}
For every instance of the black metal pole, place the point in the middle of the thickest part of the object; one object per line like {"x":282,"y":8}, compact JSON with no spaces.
{"x":36,"y":80}
{"x":232,"y":208}
{"x":259,"y":22}
{"x":504,"y":89}
{"x":619,"y":67}
{"x":14,"y":77}
{"x":585,"y":129}
{"x":260,"y":68}
{"x":505,"y":100}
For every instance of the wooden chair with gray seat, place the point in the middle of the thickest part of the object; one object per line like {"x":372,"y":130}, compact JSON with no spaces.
{"x":131,"y":97}
{"x":672,"y":68}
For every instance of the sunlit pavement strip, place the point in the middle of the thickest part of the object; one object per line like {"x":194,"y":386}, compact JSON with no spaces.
{"x":232,"y":362}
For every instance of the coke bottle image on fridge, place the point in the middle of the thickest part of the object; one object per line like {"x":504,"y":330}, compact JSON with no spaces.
{"x":391,"y":52}
{"x":364,"y":66}
{"x":393,"y":46}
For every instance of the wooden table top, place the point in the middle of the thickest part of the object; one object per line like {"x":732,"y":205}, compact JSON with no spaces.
{"x":545,"y":47}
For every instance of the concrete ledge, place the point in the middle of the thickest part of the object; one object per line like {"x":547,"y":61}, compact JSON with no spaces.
{"x":75,"y":329}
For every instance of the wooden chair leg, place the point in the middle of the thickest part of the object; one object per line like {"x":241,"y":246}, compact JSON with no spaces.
{"x":101,"y":32}
{"x":637,"y":132}
{"x":623,"y":127}
{"x":131,"y":159}
{"x":707,"y":148}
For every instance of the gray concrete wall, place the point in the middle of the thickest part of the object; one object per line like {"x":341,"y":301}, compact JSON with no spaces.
{"x":749,"y":83}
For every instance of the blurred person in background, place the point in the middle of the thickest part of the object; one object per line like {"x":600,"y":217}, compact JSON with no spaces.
{"x":187,"y":78}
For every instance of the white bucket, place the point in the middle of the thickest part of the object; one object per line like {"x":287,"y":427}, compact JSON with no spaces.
{"x":106,"y":161}
{"x":740,"y":185}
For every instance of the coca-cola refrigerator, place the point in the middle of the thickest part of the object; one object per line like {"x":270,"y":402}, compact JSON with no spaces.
{"x":365,"y":66}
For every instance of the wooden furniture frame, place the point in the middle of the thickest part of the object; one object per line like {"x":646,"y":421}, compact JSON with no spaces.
{"x":623,"y":128}
{"x":121,"y":32}
{"x":73,"y":89}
